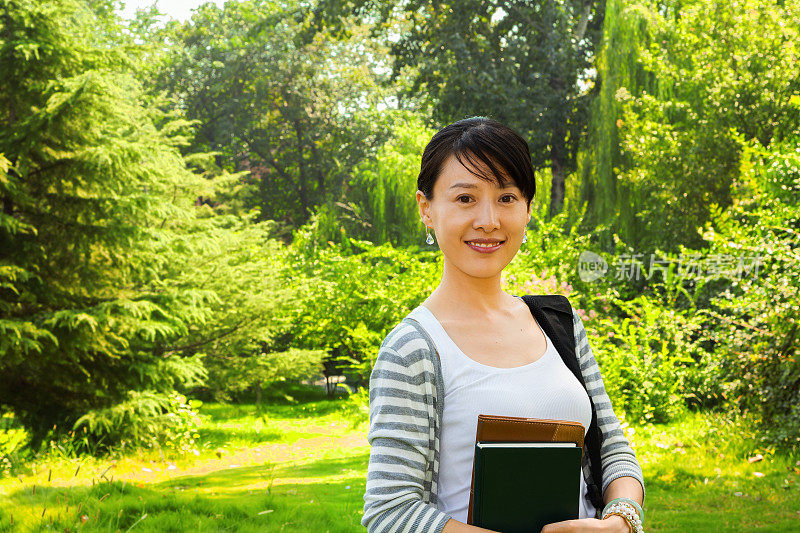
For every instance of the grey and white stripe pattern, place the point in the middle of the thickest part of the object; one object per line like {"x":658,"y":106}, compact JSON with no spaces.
{"x":405,"y":413}
{"x":616,"y":454}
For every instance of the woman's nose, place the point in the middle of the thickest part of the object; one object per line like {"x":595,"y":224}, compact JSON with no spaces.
{"x":487,"y":216}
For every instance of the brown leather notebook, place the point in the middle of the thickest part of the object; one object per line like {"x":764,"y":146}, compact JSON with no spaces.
{"x":495,"y":428}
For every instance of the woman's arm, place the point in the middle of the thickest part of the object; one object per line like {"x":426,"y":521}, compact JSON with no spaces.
{"x":616,"y":455}
{"x":401,"y":438}
{"x":454,"y":526}
{"x":627,"y":487}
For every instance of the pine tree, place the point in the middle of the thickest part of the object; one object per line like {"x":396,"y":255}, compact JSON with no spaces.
{"x":91,"y":187}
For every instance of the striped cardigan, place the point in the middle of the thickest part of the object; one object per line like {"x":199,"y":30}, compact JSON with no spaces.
{"x":405,"y":414}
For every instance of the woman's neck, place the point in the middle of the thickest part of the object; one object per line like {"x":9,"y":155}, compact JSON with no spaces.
{"x":484,"y":298}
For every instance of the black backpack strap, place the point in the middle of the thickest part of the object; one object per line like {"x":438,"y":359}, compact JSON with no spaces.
{"x":558,"y":313}
{"x":553,"y":312}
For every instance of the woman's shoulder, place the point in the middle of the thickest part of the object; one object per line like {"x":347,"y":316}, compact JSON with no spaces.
{"x":408,"y":340}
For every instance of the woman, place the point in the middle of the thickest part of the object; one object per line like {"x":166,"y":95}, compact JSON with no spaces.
{"x":471,"y":348}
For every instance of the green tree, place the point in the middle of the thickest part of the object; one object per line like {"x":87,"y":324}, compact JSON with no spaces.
{"x":682,"y":83}
{"x":377,"y":203}
{"x":91,"y":179}
{"x":296,"y":108}
{"x":627,"y":32}
{"x":526,"y":64}
{"x":350,"y":295}
{"x":244,"y":342}
{"x":119,"y":283}
{"x":752,"y":318}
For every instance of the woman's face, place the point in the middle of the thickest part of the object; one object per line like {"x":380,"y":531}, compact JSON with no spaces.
{"x":466,"y":210}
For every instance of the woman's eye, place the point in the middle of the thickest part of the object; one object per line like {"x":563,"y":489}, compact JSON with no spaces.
{"x":511,"y":198}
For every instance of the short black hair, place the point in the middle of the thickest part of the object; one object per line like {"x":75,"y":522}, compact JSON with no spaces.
{"x":492,"y":142}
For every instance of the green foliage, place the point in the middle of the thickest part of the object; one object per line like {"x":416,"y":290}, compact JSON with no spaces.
{"x":682,"y":85}
{"x":272,"y":98}
{"x":90,"y":179}
{"x":143,"y":419}
{"x":753,"y":321}
{"x":694,"y":141}
{"x":115,"y":283}
{"x":357,"y":406}
{"x":626,"y":34}
{"x":378,"y":203}
{"x":231,"y":374}
{"x":12,"y":440}
{"x":648,"y":347}
{"x":334,"y":305}
{"x":527,"y":65}
{"x":549,"y":251}
{"x":647,"y":357}
{"x":351,"y":295}
{"x":246,"y":269}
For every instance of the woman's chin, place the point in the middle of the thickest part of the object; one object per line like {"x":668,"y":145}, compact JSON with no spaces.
{"x":483,"y":271}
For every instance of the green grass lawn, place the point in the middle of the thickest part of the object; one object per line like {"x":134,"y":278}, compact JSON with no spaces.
{"x":302,"y":467}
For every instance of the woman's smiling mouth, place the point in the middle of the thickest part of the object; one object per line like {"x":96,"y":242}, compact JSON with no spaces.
{"x":485,"y":246}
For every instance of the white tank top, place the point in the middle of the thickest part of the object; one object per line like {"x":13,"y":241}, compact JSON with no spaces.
{"x":545,"y":388}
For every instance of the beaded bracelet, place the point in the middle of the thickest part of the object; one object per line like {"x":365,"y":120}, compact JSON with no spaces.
{"x":632,"y":502}
{"x":626,"y":511}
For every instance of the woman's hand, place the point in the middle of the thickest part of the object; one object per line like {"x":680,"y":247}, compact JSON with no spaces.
{"x":612,"y":524}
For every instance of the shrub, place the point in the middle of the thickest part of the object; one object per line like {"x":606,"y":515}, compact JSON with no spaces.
{"x":144,"y":420}
{"x":650,"y":359}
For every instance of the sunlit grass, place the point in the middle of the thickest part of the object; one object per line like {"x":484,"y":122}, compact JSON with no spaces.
{"x":703,"y":473}
{"x":302,"y":467}
{"x":283,"y":468}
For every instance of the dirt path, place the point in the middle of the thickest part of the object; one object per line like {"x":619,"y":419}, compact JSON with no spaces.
{"x":297,"y":452}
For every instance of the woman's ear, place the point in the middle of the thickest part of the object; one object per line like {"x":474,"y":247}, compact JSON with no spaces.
{"x":424,"y":208}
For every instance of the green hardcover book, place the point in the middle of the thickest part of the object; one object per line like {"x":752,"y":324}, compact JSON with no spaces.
{"x":522,"y":486}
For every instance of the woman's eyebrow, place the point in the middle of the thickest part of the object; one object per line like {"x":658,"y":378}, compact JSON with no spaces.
{"x":463,"y":186}
{"x":508,"y":185}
